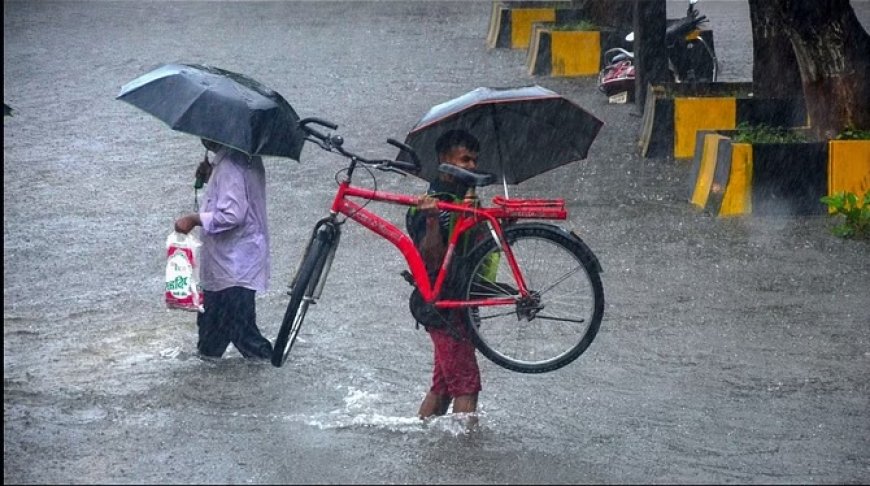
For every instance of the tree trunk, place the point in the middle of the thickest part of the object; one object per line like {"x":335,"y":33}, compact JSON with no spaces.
{"x":775,"y":72}
{"x":650,"y":54}
{"x":833,"y":54}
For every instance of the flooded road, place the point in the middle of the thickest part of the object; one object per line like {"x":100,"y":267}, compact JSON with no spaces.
{"x":732,"y":350}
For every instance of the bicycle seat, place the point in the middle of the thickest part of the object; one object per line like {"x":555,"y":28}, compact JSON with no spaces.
{"x":467,"y":177}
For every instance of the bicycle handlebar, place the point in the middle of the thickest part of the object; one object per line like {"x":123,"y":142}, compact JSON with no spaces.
{"x":303,"y":123}
{"x":334,"y":143}
{"x":413,"y":167}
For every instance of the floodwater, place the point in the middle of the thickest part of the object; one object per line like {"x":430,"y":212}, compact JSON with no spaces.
{"x":732,"y":351}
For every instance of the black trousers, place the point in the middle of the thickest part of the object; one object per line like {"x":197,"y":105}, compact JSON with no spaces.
{"x":230,"y":317}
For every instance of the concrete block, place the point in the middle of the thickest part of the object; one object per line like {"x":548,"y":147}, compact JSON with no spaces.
{"x":849,"y":167}
{"x":733,"y":179}
{"x":674,"y":112}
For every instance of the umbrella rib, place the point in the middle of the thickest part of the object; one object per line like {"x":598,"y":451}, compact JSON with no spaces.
{"x":497,"y":137}
{"x":175,"y":122}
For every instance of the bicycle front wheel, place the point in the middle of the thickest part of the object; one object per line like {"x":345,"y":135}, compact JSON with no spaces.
{"x":300,"y":298}
{"x":557,"y":322}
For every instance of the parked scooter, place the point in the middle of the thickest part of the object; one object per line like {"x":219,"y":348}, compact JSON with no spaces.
{"x":683,"y":38}
{"x":617,"y":77}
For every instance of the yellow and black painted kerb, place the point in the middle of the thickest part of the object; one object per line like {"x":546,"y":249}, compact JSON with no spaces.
{"x":704,"y":166}
{"x":674,"y":112}
{"x":721,"y":106}
{"x":732,"y":179}
{"x":849,"y":167}
{"x":697,"y":104}
{"x":511,"y":23}
{"x":570,"y":53}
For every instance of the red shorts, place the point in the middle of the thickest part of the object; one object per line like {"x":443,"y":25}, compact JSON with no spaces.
{"x":455,"y":372}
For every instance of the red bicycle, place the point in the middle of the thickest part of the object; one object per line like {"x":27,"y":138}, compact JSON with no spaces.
{"x":536,"y":310}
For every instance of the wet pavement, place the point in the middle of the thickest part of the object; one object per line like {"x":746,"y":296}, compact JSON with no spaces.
{"x":731,"y":351}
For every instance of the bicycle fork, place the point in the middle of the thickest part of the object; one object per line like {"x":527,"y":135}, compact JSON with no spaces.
{"x":327,"y":231}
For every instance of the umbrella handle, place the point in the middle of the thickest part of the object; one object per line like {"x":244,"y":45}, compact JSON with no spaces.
{"x":202,"y":176}
{"x":202,"y":173}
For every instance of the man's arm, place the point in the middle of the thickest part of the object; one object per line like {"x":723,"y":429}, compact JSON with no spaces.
{"x":432,"y":246}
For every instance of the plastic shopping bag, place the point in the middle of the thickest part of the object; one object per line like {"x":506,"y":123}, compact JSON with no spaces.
{"x":182,"y":272}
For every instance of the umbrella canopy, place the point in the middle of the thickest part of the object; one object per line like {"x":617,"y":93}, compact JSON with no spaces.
{"x":218,"y":105}
{"x":523,"y":131}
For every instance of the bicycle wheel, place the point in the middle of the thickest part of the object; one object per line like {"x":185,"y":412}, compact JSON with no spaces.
{"x":557,"y":322}
{"x":300,"y":298}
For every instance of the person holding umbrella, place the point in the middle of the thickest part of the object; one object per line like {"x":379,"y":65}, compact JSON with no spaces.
{"x":456,"y":375}
{"x":238,"y":119}
{"x":234,"y":260}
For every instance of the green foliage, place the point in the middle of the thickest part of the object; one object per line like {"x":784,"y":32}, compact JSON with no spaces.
{"x":851,"y":133}
{"x":747,"y":133}
{"x":579,"y":25}
{"x":857,"y":222}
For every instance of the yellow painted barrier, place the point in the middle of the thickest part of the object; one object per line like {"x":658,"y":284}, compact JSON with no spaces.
{"x":849,"y":167}
{"x":706,"y":169}
{"x":702,"y":113}
{"x":575,"y":53}
{"x":738,"y":192}
{"x":521,"y":24}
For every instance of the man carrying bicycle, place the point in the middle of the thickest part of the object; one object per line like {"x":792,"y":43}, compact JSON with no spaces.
{"x":456,"y":375}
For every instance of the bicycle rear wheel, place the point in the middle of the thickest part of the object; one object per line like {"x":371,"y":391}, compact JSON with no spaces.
{"x":300,"y":298}
{"x":558,"y":322}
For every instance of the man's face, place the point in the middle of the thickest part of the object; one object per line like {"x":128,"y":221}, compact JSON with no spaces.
{"x":461,"y":157}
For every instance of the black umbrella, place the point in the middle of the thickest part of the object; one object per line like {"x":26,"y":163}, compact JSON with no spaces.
{"x":218,"y":105}
{"x":523,"y":131}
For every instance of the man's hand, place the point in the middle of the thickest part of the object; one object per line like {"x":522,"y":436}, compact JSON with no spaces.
{"x":203,"y":172}
{"x":187,"y":222}
{"x":428,"y":205}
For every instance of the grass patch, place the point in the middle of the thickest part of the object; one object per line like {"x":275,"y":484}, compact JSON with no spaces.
{"x":853,"y":134}
{"x":746,"y":133}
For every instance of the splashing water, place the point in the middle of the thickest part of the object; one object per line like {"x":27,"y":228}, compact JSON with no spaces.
{"x":361,"y":410}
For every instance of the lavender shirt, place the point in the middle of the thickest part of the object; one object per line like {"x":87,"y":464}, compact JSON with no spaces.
{"x":235,"y":237}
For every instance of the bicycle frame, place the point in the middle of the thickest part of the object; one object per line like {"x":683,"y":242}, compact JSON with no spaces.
{"x":469,"y":216}
{"x":510,"y":292}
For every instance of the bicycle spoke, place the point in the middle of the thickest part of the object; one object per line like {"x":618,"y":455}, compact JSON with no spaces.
{"x":561,"y":279}
{"x":493,"y":316}
{"x":561,"y":319}
{"x":495,"y":288}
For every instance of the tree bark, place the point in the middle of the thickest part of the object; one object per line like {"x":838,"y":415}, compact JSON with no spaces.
{"x":833,"y":54}
{"x":775,"y":71}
